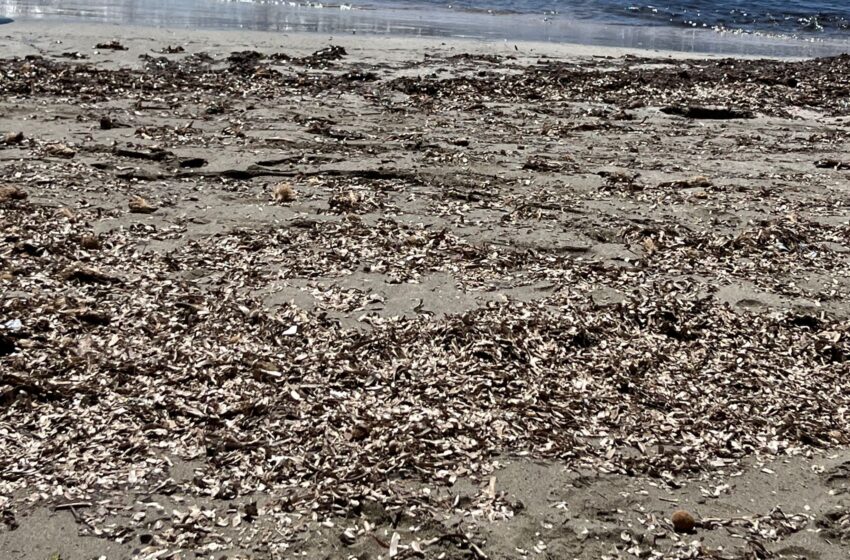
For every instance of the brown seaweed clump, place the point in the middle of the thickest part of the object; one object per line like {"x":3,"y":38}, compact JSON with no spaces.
{"x":283,"y":192}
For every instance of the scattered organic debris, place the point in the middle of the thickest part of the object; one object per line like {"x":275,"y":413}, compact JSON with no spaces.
{"x":74,"y":55}
{"x":113,"y":45}
{"x":699,"y":181}
{"x":346,"y":201}
{"x":713,"y":113}
{"x":475,"y":292}
{"x":88,"y":275}
{"x":832,"y":164}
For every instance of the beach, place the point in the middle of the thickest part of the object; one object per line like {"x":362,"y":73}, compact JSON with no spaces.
{"x":278,"y":295}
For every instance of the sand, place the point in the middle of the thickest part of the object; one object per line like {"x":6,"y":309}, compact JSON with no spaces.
{"x":734,"y":212}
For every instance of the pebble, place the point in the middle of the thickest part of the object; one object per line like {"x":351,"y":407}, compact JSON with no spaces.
{"x":683,"y":522}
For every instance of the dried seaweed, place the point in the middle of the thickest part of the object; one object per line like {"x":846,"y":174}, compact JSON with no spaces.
{"x":136,"y":341}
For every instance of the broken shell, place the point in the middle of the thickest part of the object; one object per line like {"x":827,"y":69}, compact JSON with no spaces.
{"x":348,"y":537}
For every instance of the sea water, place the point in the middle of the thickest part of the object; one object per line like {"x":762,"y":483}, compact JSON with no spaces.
{"x":820,"y":17}
{"x":755,"y":27}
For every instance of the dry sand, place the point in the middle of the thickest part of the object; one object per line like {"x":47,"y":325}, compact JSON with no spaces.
{"x":534,"y":313}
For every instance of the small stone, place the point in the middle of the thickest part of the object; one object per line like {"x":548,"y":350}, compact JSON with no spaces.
{"x":11,"y":193}
{"x":359,"y":432}
{"x":90,"y":242}
{"x":13,"y":138}
{"x":139,"y":205}
{"x":683,"y":522}
{"x":250,"y":511}
{"x":60,"y":151}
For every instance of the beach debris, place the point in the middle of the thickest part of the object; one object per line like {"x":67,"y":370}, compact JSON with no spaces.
{"x":348,"y":537}
{"x":283,"y":192}
{"x":90,"y":242}
{"x":88,"y":275}
{"x":621,"y":179}
{"x":319,"y":59}
{"x":683,"y":522}
{"x":108,"y":123}
{"x":113,"y":45}
{"x":60,"y":150}
{"x":245,"y":60}
{"x":325,"y":128}
{"x":98,"y":318}
{"x":139,"y":205}
{"x":359,"y":432}
{"x":7,"y":346}
{"x":11,"y":192}
{"x":394,"y":542}
{"x":66,"y":213}
{"x":215,"y":109}
{"x":832,"y":164}
{"x":709,"y":113}
{"x":13,"y":138}
{"x":140,"y":174}
{"x":172,"y":50}
{"x":542,"y":163}
{"x":564,"y":325}
{"x":322,"y":58}
{"x":345,"y":201}
{"x":191,"y":162}
{"x":153,"y":154}
{"x":698,"y":181}
{"x":835,"y":523}
{"x":360,"y":76}
{"x":74,"y":55}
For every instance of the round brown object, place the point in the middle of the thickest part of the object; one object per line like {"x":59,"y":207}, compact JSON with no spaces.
{"x":284,"y":192}
{"x":90,"y":242}
{"x":683,"y":522}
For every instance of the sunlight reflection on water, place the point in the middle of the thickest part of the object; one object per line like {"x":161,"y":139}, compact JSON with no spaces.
{"x":290,"y":17}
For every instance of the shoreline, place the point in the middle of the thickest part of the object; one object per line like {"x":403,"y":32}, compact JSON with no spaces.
{"x":34,"y":36}
{"x":522,"y":29}
{"x":274,"y":296}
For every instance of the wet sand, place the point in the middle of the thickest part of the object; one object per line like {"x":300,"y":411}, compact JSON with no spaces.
{"x":272,"y":295}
